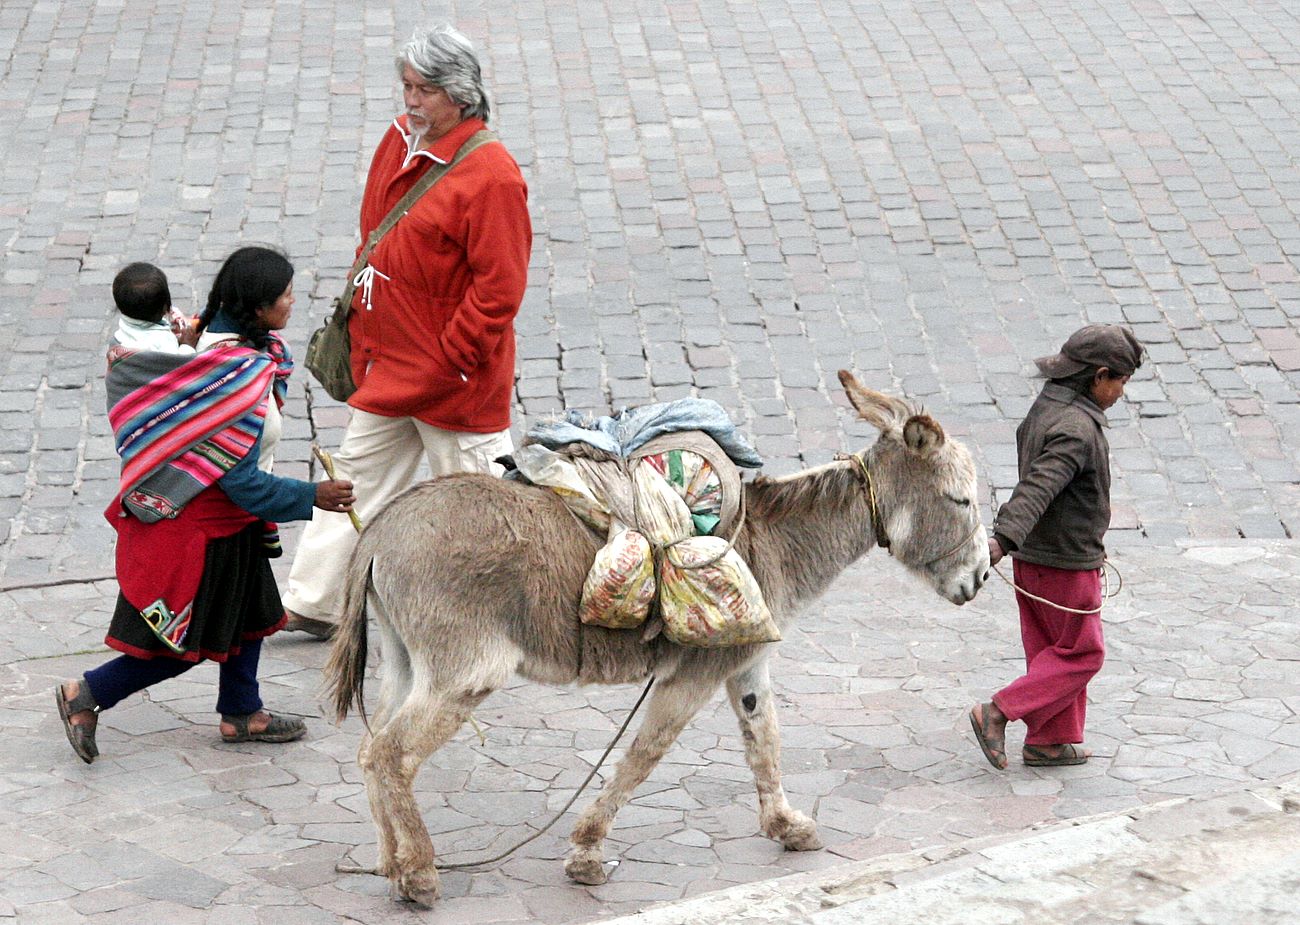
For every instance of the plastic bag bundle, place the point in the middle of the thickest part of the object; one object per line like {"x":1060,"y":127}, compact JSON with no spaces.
{"x":542,"y":466}
{"x":658,"y":509}
{"x":620,"y":583}
{"x":694,"y":480}
{"x":675,"y":497}
{"x":712,"y":605}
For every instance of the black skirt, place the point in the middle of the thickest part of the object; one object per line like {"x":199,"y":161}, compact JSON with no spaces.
{"x":237,"y":600}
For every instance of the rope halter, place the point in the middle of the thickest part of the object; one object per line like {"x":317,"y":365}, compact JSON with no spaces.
{"x":877,"y":523}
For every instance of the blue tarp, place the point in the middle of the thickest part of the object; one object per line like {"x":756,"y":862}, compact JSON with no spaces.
{"x":631,"y":428}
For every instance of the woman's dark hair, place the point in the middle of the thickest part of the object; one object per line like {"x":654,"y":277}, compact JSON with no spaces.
{"x":251,"y":279}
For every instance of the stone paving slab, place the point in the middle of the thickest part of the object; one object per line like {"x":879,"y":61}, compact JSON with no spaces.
{"x":1227,"y":857}
{"x":1199,"y":695}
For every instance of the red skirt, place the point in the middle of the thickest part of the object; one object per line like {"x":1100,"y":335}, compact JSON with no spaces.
{"x":195,"y":586}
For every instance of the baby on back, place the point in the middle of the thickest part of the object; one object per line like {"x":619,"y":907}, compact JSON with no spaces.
{"x":149,"y":322}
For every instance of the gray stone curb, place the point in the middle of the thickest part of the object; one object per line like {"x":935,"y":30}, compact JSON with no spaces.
{"x":1206,"y":860}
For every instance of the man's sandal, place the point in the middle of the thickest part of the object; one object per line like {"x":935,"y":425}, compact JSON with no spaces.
{"x":1036,"y":757}
{"x":993,"y":746}
{"x":279,"y":729}
{"x":81,"y":736}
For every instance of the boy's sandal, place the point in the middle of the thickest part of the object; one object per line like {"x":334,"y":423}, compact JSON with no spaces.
{"x":1069,"y":754}
{"x":993,"y":746}
{"x":81,"y":736}
{"x":279,"y":729}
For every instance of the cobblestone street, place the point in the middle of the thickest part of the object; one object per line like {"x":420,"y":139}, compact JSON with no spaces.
{"x":731,"y":200}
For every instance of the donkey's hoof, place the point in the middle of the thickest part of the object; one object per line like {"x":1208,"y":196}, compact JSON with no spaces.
{"x":419,"y":886}
{"x":586,"y":865}
{"x":797,"y":832}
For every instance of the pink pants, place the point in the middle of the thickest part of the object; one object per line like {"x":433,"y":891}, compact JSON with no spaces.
{"x":1063,"y":651}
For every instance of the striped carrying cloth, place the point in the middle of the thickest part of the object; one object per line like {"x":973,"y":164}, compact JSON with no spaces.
{"x":180,"y":423}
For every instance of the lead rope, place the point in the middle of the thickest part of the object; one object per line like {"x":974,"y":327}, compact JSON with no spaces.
{"x":327,"y":463}
{"x":1105,"y":578}
{"x":564,"y":809}
{"x":1105,"y":589}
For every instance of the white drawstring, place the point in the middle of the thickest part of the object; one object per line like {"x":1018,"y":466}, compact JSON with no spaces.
{"x":366,"y":281}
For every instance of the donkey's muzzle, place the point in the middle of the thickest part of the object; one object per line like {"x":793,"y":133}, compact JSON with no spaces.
{"x":969,"y":586}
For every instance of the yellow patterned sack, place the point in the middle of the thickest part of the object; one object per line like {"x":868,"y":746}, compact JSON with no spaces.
{"x":712,"y":605}
{"x":620,"y":584}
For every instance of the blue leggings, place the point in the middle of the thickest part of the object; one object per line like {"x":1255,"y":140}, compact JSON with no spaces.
{"x":123,"y":676}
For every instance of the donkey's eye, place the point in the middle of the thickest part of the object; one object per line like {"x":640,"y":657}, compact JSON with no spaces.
{"x":960,"y":502}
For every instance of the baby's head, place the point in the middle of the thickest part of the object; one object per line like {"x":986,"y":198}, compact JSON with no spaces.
{"x":140,"y":291}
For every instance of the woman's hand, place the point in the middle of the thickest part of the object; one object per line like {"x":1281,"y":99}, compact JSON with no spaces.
{"x":995,"y":551}
{"x":335,"y":495}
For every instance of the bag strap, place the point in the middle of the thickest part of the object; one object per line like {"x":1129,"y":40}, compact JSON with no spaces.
{"x":422,"y":185}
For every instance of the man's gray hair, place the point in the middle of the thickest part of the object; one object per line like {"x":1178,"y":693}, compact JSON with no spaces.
{"x":446,"y":59}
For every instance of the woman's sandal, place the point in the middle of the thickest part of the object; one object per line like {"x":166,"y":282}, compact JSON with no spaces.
{"x":81,"y":736}
{"x":1069,"y":754}
{"x":279,"y":729}
{"x":994,"y":747}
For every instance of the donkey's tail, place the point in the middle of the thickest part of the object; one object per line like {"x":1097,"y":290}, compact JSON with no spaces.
{"x":345,"y":671}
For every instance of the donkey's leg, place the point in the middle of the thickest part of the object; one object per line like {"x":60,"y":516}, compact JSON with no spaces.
{"x":670,"y":708}
{"x":394,"y":673}
{"x":384,"y":863}
{"x":394,"y":688}
{"x":391,"y":759}
{"x":750,"y":692}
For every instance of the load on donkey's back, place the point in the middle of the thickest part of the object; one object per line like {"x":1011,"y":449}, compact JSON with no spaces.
{"x":660,"y":482}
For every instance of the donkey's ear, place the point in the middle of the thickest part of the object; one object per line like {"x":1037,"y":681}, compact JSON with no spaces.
{"x":877,"y":409}
{"x":922,"y":434}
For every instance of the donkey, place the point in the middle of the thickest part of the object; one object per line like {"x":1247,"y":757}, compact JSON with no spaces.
{"x":472,"y":579}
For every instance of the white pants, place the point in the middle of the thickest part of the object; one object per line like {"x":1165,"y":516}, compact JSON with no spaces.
{"x":380,"y":455}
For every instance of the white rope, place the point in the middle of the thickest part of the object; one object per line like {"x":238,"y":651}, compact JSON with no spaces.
{"x":1105,"y":579}
{"x":1105,"y":590}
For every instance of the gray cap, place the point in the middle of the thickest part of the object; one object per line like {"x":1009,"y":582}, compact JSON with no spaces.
{"x":1106,"y":345}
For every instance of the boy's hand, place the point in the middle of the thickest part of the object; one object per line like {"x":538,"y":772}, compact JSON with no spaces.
{"x":995,"y":551}
{"x":187,"y":334}
{"x":335,"y":495}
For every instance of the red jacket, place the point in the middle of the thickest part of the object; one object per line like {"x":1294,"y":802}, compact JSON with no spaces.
{"x":436,"y":339}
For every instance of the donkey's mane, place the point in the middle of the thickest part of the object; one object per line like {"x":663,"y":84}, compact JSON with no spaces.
{"x":779,"y":497}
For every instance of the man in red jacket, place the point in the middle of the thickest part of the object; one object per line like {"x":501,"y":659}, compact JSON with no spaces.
{"x":432,"y":322}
